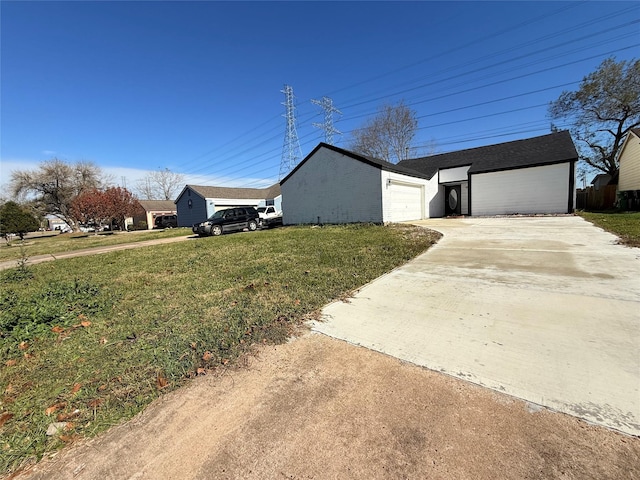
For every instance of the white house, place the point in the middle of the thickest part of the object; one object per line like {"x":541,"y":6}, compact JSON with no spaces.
{"x":197,"y":203}
{"x":333,"y":185}
{"x":629,"y":169}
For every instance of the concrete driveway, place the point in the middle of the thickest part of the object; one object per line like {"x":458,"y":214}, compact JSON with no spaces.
{"x":546,"y":309}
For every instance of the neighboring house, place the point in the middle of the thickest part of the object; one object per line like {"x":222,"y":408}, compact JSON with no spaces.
{"x":531,"y":176}
{"x":197,"y":203}
{"x":629,"y":171}
{"x":153,"y":209}
{"x":601,"y":180}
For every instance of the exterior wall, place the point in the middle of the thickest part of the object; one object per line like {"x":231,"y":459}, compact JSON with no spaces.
{"x":464,"y":198}
{"x":392,"y":210}
{"x":222,"y":203}
{"x":456,"y":174}
{"x":194,"y":213}
{"x":542,"y":189}
{"x":629,"y":178}
{"x":436,"y":202}
{"x":334,"y":188}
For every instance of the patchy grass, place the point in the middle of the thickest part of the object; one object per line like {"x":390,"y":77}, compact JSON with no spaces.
{"x":45,"y":243}
{"x":625,"y":225}
{"x":89,"y":342}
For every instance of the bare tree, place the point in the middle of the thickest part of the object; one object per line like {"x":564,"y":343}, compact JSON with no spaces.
{"x":602,"y":111}
{"x":388,"y":135}
{"x":160,"y":185}
{"x":54,"y":184}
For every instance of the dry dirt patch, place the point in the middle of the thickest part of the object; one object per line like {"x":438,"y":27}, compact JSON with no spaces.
{"x":319,"y":408}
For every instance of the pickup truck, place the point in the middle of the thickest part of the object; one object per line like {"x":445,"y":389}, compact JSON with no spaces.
{"x":269,"y":216}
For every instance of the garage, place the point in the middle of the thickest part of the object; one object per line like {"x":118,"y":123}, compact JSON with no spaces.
{"x":521,"y":191}
{"x":407,"y":201}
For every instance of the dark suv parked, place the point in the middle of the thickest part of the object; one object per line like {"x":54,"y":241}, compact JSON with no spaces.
{"x":228,"y":220}
{"x":166,"y":221}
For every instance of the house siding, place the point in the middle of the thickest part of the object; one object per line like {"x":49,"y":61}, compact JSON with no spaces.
{"x":187,"y":216}
{"x":392,"y":187}
{"x":334,"y":188}
{"x":543,"y":189}
{"x":629,"y":177}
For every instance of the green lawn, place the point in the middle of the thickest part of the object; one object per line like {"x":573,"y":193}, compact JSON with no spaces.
{"x":48,"y":243}
{"x":90,"y":341}
{"x":625,"y":225}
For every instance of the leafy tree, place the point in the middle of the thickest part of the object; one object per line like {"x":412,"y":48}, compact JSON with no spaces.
{"x":112,"y":205}
{"x":16,"y":219}
{"x":602,"y":111}
{"x":388,"y":135}
{"x":54,"y":184}
{"x":121,"y":203}
{"x":160,"y":185}
{"x":91,"y":207}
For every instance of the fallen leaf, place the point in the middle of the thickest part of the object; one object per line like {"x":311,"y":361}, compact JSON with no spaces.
{"x":9,"y":389}
{"x":62,"y":417}
{"x":57,"y":329}
{"x":23,"y":345}
{"x":225,"y":361}
{"x":102,"y":388}
{"x":297,"y":302}
{"x":161,"y":381}
{"x":103,"y":341}
{"x":28,"y":355}
{"x":95,"y":403}
{"x":76,"y":388}
{"x":5,"y":417}
{"x":85,"y":323}
{"x":201,"y":371}
{"x":10,"y":363}
{"x":54,"y":408}
{"x":207,"y":356}
{"x":193,"y":345}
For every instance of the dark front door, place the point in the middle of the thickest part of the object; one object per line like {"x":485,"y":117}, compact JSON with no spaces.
{"x":452,"y":200}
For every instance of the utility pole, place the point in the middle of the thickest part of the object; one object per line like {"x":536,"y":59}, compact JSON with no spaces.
{"x":327,"y":105}
{"x":291,"y":152}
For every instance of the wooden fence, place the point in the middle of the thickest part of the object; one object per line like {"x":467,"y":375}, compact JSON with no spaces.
{"x":591,"y":199}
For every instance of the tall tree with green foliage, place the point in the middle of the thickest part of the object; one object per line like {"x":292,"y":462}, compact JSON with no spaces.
{"x":54,"y":184}
{"x":388,"y":135}
{"x":16,"y":219}
{"x":602,"y":111}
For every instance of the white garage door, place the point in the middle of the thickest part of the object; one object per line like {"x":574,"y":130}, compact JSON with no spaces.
{"x":406,"y":202}
{"x":543,"y":189}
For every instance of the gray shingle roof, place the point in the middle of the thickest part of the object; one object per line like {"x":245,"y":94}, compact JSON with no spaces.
{"x":386,"y":166}
{"x":240,"y":193}
{"x":158,"y":205}
{"x":544,"y":150}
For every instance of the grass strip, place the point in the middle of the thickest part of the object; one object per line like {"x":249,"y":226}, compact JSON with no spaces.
{"x":45,"y":244}
{"x":626,"y":225}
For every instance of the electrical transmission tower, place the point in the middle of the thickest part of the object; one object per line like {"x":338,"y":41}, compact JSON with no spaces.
{"x":291,"y":153}
{"x":327,"y":105}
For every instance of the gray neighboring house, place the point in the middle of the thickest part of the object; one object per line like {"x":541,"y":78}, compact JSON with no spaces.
{"x":530,"y":176}
{"x":197,"y":203}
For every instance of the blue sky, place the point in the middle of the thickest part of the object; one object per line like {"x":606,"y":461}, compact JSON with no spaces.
{"x":196,"y":86}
